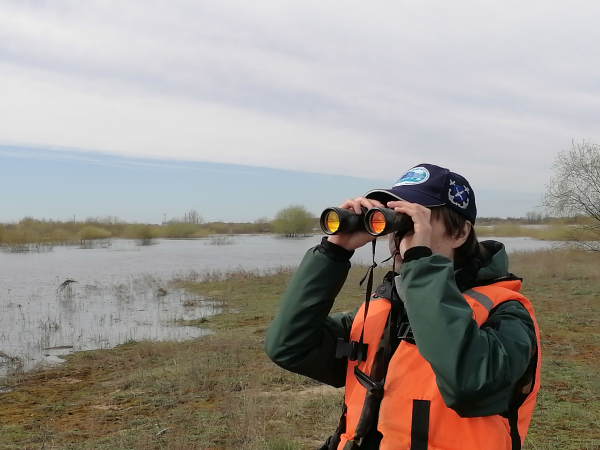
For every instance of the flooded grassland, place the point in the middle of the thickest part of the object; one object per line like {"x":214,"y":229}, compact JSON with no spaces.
{"x":219,"y":390}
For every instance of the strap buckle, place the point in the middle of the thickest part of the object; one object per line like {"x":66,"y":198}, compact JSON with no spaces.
{"x":354,"y":351}
{"x":405,"y":333}
{"x":373,"y":387}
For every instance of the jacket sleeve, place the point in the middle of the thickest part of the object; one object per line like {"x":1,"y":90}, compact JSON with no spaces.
{"x":303,"y":337}
{"x":476,"y":368}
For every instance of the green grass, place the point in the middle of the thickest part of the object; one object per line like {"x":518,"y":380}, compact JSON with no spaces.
{"x":221,"y":392}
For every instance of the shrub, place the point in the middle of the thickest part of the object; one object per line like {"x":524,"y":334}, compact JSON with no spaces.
{"x":293,"y":221}
{"x":91,"y":234}
{"x":179,"y":230}
{"x":143,"y":234}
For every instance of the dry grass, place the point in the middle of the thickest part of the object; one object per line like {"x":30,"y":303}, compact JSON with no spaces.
{"x":548,"y":233}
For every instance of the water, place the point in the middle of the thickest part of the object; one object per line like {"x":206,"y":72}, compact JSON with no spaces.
{"x":122,"y":292}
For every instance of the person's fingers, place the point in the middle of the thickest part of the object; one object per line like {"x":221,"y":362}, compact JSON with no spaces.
{"x":351,"y":205}
{"x":419,"y":214}
{"x":358,"y":203}
{"x":421,"y":217}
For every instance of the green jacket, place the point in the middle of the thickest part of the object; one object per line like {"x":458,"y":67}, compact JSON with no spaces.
{"x":476,"y":368}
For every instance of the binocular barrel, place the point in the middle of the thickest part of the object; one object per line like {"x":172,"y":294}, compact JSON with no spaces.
{"x":336,"y":220}
{"x":376,"y":221}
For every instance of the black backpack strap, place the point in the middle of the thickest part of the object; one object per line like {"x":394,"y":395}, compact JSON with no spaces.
{"x":374,"y":383}
{"x":513,"y":421}
{"x":366,"y":429}
{"x":523,"y":388}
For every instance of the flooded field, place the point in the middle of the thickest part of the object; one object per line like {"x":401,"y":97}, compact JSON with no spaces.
{"x":72,"y":299}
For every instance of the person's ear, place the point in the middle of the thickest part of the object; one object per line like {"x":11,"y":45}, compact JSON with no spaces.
{"x":461,"y":237}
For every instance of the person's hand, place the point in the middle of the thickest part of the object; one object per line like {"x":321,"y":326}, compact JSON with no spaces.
{"x":356,"y":239}
{"x":421,"y":217}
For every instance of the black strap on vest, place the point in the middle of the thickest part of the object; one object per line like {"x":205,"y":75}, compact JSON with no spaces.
{"x":419,"y":430}
{"x":357,"y":350}
{"x":368,"y":290}
{"x":513,"y":422}
{"x":354,"y":350}
{"x":366,"y":433}
{"x":375,"y":381}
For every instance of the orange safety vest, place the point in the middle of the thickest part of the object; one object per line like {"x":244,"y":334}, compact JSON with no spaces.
{"x":412,"y":409}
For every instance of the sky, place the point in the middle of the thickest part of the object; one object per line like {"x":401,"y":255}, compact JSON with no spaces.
{"x":237,"y":109}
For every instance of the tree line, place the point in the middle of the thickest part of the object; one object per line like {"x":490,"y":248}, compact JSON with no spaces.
{"x":30,"y":234}
{"x":572,"y":195}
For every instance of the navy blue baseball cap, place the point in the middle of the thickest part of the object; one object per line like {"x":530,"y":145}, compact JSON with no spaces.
{"x":429,"y":185}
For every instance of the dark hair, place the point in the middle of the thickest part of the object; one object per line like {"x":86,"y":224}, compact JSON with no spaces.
{"x":454,"y":224}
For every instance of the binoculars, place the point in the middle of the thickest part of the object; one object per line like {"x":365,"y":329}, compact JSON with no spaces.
{"x":376,"y":221}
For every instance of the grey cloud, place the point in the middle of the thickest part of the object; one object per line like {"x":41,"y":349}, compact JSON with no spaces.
{"x":492,"y":85}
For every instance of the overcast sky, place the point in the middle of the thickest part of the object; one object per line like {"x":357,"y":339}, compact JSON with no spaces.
{"x":493,"y":90}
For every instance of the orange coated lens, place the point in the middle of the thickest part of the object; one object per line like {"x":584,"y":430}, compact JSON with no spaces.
{"x":377,"y":222}
{"x":332,"y":221}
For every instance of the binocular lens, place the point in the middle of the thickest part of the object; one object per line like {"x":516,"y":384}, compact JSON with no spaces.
{"x":377,"y":222}
{"x":332,"y":221}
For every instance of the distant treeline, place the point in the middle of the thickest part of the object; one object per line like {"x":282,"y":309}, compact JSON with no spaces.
{"x":31,"y":234}
{"x":534,"y":219}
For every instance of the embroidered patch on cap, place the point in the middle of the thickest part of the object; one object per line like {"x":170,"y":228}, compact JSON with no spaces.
{"x":459,"y":195}
{"x":416,"y":175}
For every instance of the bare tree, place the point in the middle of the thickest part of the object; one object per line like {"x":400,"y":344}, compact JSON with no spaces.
{"x":194,"y":217}
{"x":533,"y":216}
{"x":575,"y":191}
{"x":263,"y":224}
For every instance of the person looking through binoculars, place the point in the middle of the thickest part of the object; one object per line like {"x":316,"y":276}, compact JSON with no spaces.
{"x":443,"y":354}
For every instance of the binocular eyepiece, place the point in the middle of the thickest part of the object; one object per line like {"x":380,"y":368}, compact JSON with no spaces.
{"x":376,"y":221}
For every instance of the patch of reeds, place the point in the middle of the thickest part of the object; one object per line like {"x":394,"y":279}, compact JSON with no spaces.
{"x":93,"y":237}
{"x":220,"y":240}
{"x":65,"y":289}
{"x":10,"y":365}
{"x":22,"y":240}
{"x":216,"y":275}
{"x":142,"y":234}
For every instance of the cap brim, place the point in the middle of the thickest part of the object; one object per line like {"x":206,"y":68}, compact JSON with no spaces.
{"x":408,"y":195}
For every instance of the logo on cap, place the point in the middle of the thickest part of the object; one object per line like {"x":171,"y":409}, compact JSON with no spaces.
{"x":459,"y":195}
{"x":416,"y":175}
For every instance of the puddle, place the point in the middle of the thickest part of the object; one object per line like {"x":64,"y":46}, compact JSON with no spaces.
{"x":39,"y":330}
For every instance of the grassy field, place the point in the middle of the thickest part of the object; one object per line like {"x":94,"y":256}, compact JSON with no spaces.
{"x":546,"y":233}
{"x":221,"y":392}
